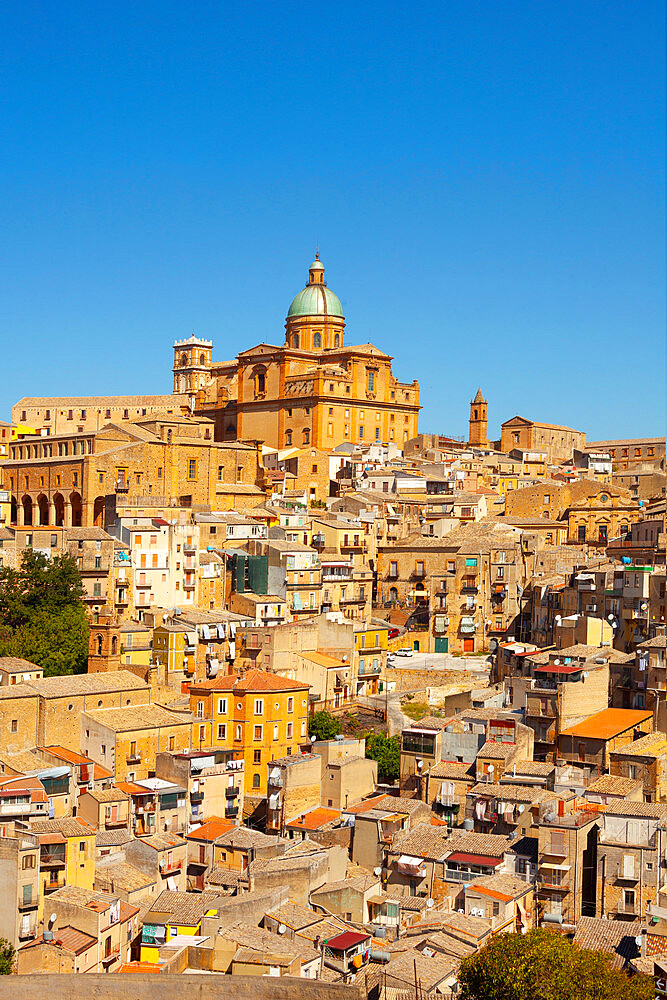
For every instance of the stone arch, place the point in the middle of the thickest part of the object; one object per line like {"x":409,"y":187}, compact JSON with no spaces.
{"x":98,"y":512}
{"x":114,"y":645}
{"x":393,"y":594}
{"x":26,"y":502}
{"x":317,"y":340}
{"x":42,"y":511}
{"x":98,"y":644}
{"x":337,"y":340}
{"x":15,"y":511}
{"x":77,"y":509}
{"x":59,"y":504}
{"x":184,"y":360}
{"x":295,"y":341}
{"x":202,"y":359}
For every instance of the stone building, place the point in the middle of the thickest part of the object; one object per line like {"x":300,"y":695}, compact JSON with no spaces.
{"x":594,"y":512}
{"x":477,"y":435}
{"x":313,"y":390}
{"x":85,"y":479}
{"x":530,"y":435}
{"x":69,"y":415}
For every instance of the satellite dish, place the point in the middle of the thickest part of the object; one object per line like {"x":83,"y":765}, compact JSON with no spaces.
{"x":377,"y":871}
{"x":313,"y":739}
{"x":429,"y":903}
{"x":282,"y":928}
{"x":556,"y":663}
{"x":53,"y":918}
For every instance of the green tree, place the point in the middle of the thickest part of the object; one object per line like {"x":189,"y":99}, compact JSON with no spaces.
{"x":386,"y":750}
{"x":42,"y":615}
{"x":544,"y":965}
{"x":6,"y":957}
{"x":324,"y":726}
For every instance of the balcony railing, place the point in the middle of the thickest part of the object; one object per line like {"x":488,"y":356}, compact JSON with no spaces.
{"x":231,"y":793}
{"x":171,"y":866}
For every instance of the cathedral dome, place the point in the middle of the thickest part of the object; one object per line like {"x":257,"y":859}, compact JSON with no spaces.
{"x":315,"y":299}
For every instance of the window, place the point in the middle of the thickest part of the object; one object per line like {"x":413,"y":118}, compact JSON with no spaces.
{"x":222,"y":731}
{"x":289,"y":730}
{"x":159,"y":472}
{"x":192,"y":468}
{"x":290,"y":704}
{"x":259,"y":706}
{"x":288,"y":437}
{"x":200,"y":709}
{"x":172,"y":742}
{"x":275,"y":731}
{"x":371,"y":381}
{"x":222,"y":706}
{"x":393,"y":569}
{"x":361,"y":433}
{"x":255,"y":777}
{"x":306,"y":436}
{"x":317,"y":340}
{"x":28,"y":861}
{"x":257,"y":733}
{"x":257,"y":757}
{"x":15,"y":725}
{"x":239,"y":733}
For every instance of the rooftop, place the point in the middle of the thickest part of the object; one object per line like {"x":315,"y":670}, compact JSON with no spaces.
{"x":608,"y":723}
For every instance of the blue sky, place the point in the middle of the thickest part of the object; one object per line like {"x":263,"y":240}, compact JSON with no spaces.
{"x":485,"y":181}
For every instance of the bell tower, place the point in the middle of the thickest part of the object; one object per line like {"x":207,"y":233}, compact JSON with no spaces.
{"x":103,"y":643}
{"x":477,"y":432}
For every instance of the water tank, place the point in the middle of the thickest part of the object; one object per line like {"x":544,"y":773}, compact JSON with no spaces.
{"x":468,"y":824}
{"x":380,"y":956}
{"x":47,"y":935}
{"x":449,"y":729}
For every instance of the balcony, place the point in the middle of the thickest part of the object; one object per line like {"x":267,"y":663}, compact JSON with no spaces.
{"x":189,"y":548}
{"x":133,"y":758}
{"x":189,"y":585}
{"x":231,"y":811}
{"x":142,"y":584}
{"x":370,"y":671}
{"x":27,"y":904}
{"x":167,"y":867}
{"x":197,"y":796}
{"x":52,"y":884}
{"x":111,"y":956}
{"x":471,"y":589}
{"x":231,"y":793}
{"x":627,"y":909}
{"x":352,"y":599}
{"x":121,"y":599}
{"x":122,"y":487}
{"x":54,"y":859}
{"x":147,"y":807}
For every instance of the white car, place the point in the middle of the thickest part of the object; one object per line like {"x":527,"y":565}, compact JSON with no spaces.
{"x":405,"y":651}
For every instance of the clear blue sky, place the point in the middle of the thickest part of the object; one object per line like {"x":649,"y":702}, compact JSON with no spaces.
{"x":485,"y":180}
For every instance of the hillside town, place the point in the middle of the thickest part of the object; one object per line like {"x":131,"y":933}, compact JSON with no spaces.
{"x":358,"y":698}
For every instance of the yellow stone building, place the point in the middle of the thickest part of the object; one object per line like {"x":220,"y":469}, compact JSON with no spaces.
{"x":258,"y":715}
{"x":313,"y":390}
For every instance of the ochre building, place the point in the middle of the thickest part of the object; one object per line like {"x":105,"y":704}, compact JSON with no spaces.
{"x":312,"y":390}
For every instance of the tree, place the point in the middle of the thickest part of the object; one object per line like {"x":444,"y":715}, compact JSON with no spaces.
{"x":324,"y":726}
{"x":6,"y":957}
{"x":386,"y":750}
{"x":545,"y":965}
{"x":42,"y":615}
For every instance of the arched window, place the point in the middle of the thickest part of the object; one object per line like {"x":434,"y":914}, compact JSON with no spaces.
{"x":475,"y":414}
{"x":114,"y":645}
{"x":255,"y":781}
{"x":184,"y":360}
{"x":393,"y":594}
{"x":296,"y":340}
{"x":306,"y":436}
{"x":98,"y":643}
{"x":238,"y":733}
{"x":202,"y":359}
{"x":288,"y":437}
{"x":336,"y":341}
{"x":317,"y":340}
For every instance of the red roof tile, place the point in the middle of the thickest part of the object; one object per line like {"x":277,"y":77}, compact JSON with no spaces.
{"x":251,"y":681}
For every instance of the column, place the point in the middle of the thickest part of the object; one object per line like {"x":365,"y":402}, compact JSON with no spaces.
{"x":52,"y":512}
{"x":68,"y":514}
{"x":20,"y":514}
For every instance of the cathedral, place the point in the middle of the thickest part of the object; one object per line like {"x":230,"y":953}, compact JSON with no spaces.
{"x":312,"y":390}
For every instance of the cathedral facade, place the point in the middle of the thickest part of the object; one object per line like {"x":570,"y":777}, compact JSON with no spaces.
{"x":312,"y":390}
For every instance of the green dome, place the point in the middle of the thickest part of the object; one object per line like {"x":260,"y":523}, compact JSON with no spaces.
{"x":315,"y":300}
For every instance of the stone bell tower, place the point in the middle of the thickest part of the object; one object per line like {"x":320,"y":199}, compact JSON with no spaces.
{"x":477,"y":432}
{"x":103,"y":643}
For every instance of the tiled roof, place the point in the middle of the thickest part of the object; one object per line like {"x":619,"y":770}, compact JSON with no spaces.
{"x":651,"y":810}
{"x":76,"y":684}
{"x":121,"y":875}
{"x":136,"y":717}
{"x":181,"y":907}
{"x":613,"y":784}
{"x":651,"y":745}
{"x":252,"y":681}
{"x":614,"y":936}
{"x":491,"y":844}
{"x":15,"y":665}
{"x":532,"y":768}
{"x":74,"y":940}
{"x":67,"y":826}
{"x":242,"y":837}
{"x":108,"y":795}
{"x":508,"y":886}
{"x":112,"y":838}
{"x":497,"y":751}
{"x":454,"y":770}
{"x":516,"y":793}
{"x":164,"y":841}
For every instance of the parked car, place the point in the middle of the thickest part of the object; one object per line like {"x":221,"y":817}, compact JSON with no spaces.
{"x":405,"y":651}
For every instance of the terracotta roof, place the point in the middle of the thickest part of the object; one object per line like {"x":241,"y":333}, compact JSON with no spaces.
{"x":502,"y":886}
{"x":107,"y":794}
{"x":67,"y":826}
{"x":141,"y":967}
{"x":121,"y":875}
{"x":15,"y":665}
{"x":136,"y":717}
{"x":74,"y":940}
{"x":180,"y":907}
{"x":99,"y":683}
{"x":252,"y":681}
{"x":453,"y":770}
{"x":608,"y":723}
{"x":211,"y":829}
{"x":651,"y":745}
{"x":314,"y":819}
{"x":348,"y":939}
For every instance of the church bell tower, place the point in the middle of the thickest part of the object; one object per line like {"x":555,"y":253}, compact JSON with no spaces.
{"x":477,"y":432}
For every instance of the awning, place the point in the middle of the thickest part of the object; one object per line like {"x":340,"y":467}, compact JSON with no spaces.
{"x":484,"y":860}
{"x":212,"y":667}
{"x":171,"y":883}
{"x":558,"y":868}
{"x":409,"y":865}
{"x":498,"y":588}
{"x":274,"y":800}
